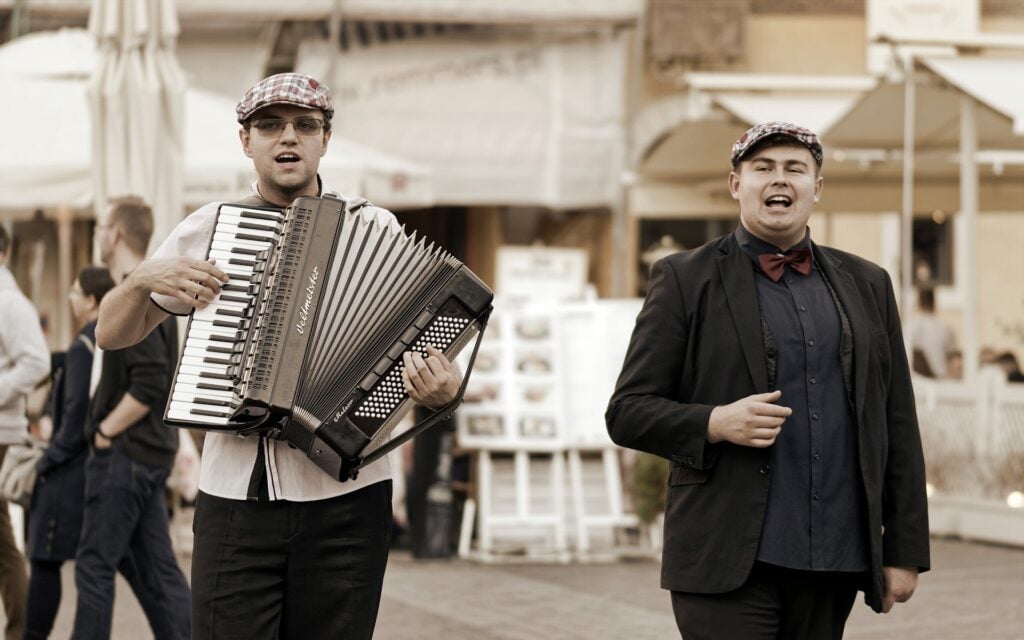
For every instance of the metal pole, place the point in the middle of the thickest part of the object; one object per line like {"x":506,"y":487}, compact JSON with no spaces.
{"x":334,"y":29}
{"x":621,"y":281}
{"x":969,"y":209}
{"x":907,"y":218}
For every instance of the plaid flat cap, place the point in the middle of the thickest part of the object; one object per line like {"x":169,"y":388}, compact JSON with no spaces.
{"x":286,"y":88}
{"x":758,"y":133}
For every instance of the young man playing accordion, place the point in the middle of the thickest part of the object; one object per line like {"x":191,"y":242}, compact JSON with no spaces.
{"x":282,"y":550}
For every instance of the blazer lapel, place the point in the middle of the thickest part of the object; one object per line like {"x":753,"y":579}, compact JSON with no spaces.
{"x":741,"y":293}
{"x":846,"y":290}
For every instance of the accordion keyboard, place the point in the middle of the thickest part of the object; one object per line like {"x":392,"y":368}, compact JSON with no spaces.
{"x":204,"y":391}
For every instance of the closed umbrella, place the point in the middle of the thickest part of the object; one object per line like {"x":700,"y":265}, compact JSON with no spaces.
{"x":137,"y":97}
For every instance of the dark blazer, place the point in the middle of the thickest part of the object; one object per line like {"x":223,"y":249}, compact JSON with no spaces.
{"x":55,"y":515}
{"x":698,"y":344}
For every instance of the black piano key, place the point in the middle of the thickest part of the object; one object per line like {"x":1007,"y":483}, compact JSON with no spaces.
{"x":246,"y":251}
{"x":213,"y":402}
{"x":225,"y":323}
{"x":240,"y":261}
{"x":257,"y":227}
{"x":216,"y":349}
{"x":251,"y":237}
{"x":256,"y":215}
{"x":230,"y":312}
{"x":216,"y":376}
{"x":214,"y":387}
{"x":222,"y":338}
{"x":217,"y":360}
{"x":234,"y":287}
{"x":241,"y":299}
{"x":212,"y":414}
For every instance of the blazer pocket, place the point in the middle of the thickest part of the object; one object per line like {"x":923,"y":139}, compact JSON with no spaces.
{"x":683,"y":475}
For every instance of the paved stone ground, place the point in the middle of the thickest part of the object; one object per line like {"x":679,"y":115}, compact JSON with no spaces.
{"x":975,"y":592}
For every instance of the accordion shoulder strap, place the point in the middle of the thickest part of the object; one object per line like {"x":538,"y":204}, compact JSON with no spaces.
{"x":351,"y":204}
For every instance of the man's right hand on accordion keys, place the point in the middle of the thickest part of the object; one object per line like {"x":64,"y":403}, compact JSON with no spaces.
{"x":432,"y":381}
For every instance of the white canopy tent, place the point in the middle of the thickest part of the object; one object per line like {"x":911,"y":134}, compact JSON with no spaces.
{"x":511,"y":120}
{"x":49,"y":164}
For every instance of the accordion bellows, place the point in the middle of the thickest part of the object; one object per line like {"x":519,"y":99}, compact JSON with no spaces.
{"x":305,"y":341}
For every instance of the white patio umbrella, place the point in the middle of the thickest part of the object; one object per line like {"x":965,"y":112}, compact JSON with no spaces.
{"x":137,"y":97}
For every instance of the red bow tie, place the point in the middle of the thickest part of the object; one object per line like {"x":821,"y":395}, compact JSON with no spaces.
{"x":774,"y":263}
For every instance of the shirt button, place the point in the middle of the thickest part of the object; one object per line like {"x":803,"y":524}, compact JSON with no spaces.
{"x":765,"y":469}
{"x":815,"y":497}
{"x":803,"y":308}
{"x":814,"y":416}
{"x":817,"y":456}
{"x":789,"y":280}
{"x":814,"y":381}
{"x":810,"y":342}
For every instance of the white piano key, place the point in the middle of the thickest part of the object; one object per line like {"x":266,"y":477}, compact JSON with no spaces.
{"x":200,"y":361}
{"x":199,"y":369}
{"x":209,"y":346}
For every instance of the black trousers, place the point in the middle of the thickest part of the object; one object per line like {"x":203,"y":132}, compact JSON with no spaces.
{"x":773,"y":604}
{"x":290,"y":570}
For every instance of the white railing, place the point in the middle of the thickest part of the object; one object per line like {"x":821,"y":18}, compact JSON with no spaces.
{"x":973,"y":438}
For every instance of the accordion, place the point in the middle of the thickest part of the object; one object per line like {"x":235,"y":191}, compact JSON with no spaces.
{"x":304,"y":343}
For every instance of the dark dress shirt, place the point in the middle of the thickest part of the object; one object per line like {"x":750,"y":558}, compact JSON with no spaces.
{"x":816,"y":514}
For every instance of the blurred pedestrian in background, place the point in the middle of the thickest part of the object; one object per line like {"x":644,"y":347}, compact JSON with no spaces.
{"x":281,"y":549}
{"x":24,"y":362}
{"x":1010,"y":366}
{"x":55,"y":515}
{"x":931,"y":339}
{"x":125,"y":526}
{"x":771,"y":372}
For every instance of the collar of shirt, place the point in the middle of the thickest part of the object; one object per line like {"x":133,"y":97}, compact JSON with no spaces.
{"x":754,"y":246}
{"x":321,"y":190}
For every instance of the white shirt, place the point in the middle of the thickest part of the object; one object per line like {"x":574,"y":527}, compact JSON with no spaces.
{"x":934,"y":339}
{"x":24,"y":357}
{"x":228,"y":460}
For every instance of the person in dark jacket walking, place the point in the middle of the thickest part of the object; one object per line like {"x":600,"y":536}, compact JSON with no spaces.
{"x":125,"y":527}
{"x":771,"y":373}
{"x":55,"y":515}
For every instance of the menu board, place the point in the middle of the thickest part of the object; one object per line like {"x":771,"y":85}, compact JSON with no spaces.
{"x":544,"y":374}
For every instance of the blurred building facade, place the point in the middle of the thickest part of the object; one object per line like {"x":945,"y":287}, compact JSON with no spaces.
{"x":604,"y":124}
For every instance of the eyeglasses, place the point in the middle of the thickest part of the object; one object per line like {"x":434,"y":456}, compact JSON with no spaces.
{"x":270,"y":127}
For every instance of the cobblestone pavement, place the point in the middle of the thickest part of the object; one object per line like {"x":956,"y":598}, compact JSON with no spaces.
{"x":975,"y":592}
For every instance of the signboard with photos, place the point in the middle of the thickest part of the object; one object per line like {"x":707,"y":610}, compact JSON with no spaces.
{"x":549,"y":358}
{"x":544,"y":374}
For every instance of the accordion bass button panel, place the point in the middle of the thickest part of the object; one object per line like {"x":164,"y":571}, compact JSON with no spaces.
{"x":205,"y":385}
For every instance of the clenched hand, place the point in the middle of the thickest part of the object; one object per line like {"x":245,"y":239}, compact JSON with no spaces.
{"x":754,"y":421}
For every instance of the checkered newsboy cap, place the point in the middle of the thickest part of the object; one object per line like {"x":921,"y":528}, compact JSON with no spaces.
{"x":286,"y":88}
{"x":756,"y":134}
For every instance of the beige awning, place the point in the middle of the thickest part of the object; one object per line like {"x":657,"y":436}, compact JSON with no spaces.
{"x":691,"y":134}
{"x":997,"y":83}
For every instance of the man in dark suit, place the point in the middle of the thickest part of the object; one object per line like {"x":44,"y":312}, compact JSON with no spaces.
{"x":771,"y":372}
